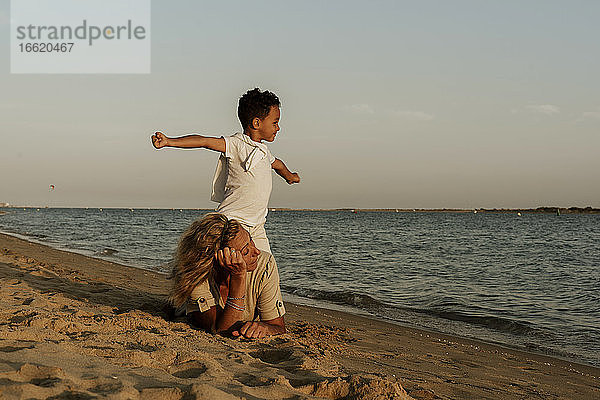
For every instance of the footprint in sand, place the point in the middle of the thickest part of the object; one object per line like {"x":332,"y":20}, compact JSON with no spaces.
{"x":236,"y":357}
{"x":45,"y":382}
{"x":107,"y":388}
{"x":273,"y":356}
{"x":40,"y":375}
{"x":69,"y":395}
{"x":290,"y":362}
{"x":188,"y":370}
{"x":253,"y":380}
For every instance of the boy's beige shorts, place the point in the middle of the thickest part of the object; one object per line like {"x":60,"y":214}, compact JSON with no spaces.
{"x":259,"y":236}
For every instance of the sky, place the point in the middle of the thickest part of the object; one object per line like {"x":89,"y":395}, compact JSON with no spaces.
{"x":385,"y":104}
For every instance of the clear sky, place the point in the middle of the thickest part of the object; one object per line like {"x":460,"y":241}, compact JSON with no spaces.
{"x":395,"y":104}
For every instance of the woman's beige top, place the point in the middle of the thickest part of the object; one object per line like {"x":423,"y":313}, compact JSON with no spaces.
{"x":263,"y":295}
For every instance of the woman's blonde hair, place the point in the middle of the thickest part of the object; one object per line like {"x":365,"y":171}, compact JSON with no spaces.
{"x":194,"y":260}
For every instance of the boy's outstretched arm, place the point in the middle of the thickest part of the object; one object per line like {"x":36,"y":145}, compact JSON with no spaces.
{"x":284,"y":172}
{"x":159,"y":140}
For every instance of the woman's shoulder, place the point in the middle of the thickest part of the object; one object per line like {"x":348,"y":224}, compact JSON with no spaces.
{"x":266,"y":259}
{"x":265,"y":264}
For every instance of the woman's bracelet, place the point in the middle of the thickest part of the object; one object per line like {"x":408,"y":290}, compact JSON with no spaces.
{"x":235,"y":306}
{"x":236,"y":298}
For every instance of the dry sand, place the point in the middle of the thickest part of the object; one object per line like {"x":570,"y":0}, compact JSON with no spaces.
{"x":74,"y":327}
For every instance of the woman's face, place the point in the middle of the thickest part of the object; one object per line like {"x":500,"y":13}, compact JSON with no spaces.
{"x":244,"y":244}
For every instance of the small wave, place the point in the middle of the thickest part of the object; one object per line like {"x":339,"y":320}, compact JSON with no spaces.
{"x":38,"y":235}
{"x":106,"y":252}
{"x":362,"y":301}
{"x":491,"y":322}
{"x":374,"y":306}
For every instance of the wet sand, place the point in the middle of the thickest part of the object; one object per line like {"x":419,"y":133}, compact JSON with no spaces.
{"x":72,"y":326}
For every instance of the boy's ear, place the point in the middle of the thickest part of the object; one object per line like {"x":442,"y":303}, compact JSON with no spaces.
{"x":256,"y":123}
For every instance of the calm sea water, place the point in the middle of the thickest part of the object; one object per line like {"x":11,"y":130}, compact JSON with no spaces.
{"x":530,"y":282}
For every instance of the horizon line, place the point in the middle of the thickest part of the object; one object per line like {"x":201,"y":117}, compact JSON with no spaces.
{"x":355,"y":209}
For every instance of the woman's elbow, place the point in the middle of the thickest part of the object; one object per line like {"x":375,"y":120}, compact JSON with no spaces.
{"x":204,"y":321}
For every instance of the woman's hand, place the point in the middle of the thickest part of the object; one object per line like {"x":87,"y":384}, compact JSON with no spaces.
{"x":232,"y":261}
{"x":260,"y":329}
{"x":252,"y":330}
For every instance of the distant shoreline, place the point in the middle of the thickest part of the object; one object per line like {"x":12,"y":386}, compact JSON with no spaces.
{"x":545,"y":210}
{"x":538,"y":210}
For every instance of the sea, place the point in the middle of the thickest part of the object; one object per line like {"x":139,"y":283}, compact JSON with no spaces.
{"x":529,"y":281}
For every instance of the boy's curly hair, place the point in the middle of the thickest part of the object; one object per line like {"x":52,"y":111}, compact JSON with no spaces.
{"x":255,"y":104}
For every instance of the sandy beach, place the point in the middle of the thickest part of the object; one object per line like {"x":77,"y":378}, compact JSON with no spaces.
{"x":76,"y":327}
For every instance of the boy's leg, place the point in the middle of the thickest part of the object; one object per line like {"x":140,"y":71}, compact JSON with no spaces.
{"x":259,"y":236}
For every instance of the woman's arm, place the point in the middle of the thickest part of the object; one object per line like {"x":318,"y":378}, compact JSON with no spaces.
{"x":206,"y":320}
{"x":235,"y":303}
{"x":213,"y":319}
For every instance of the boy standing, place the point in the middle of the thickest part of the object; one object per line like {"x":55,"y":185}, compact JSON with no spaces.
{"x":242,"y":183}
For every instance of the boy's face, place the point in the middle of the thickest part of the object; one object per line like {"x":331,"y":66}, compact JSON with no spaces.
{"x":268,"y":127}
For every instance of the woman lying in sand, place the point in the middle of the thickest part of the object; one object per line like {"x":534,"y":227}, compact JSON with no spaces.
{"x":224,"y":282}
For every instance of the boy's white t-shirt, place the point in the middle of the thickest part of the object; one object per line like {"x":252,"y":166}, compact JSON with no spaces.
{"x":243,"y":181}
